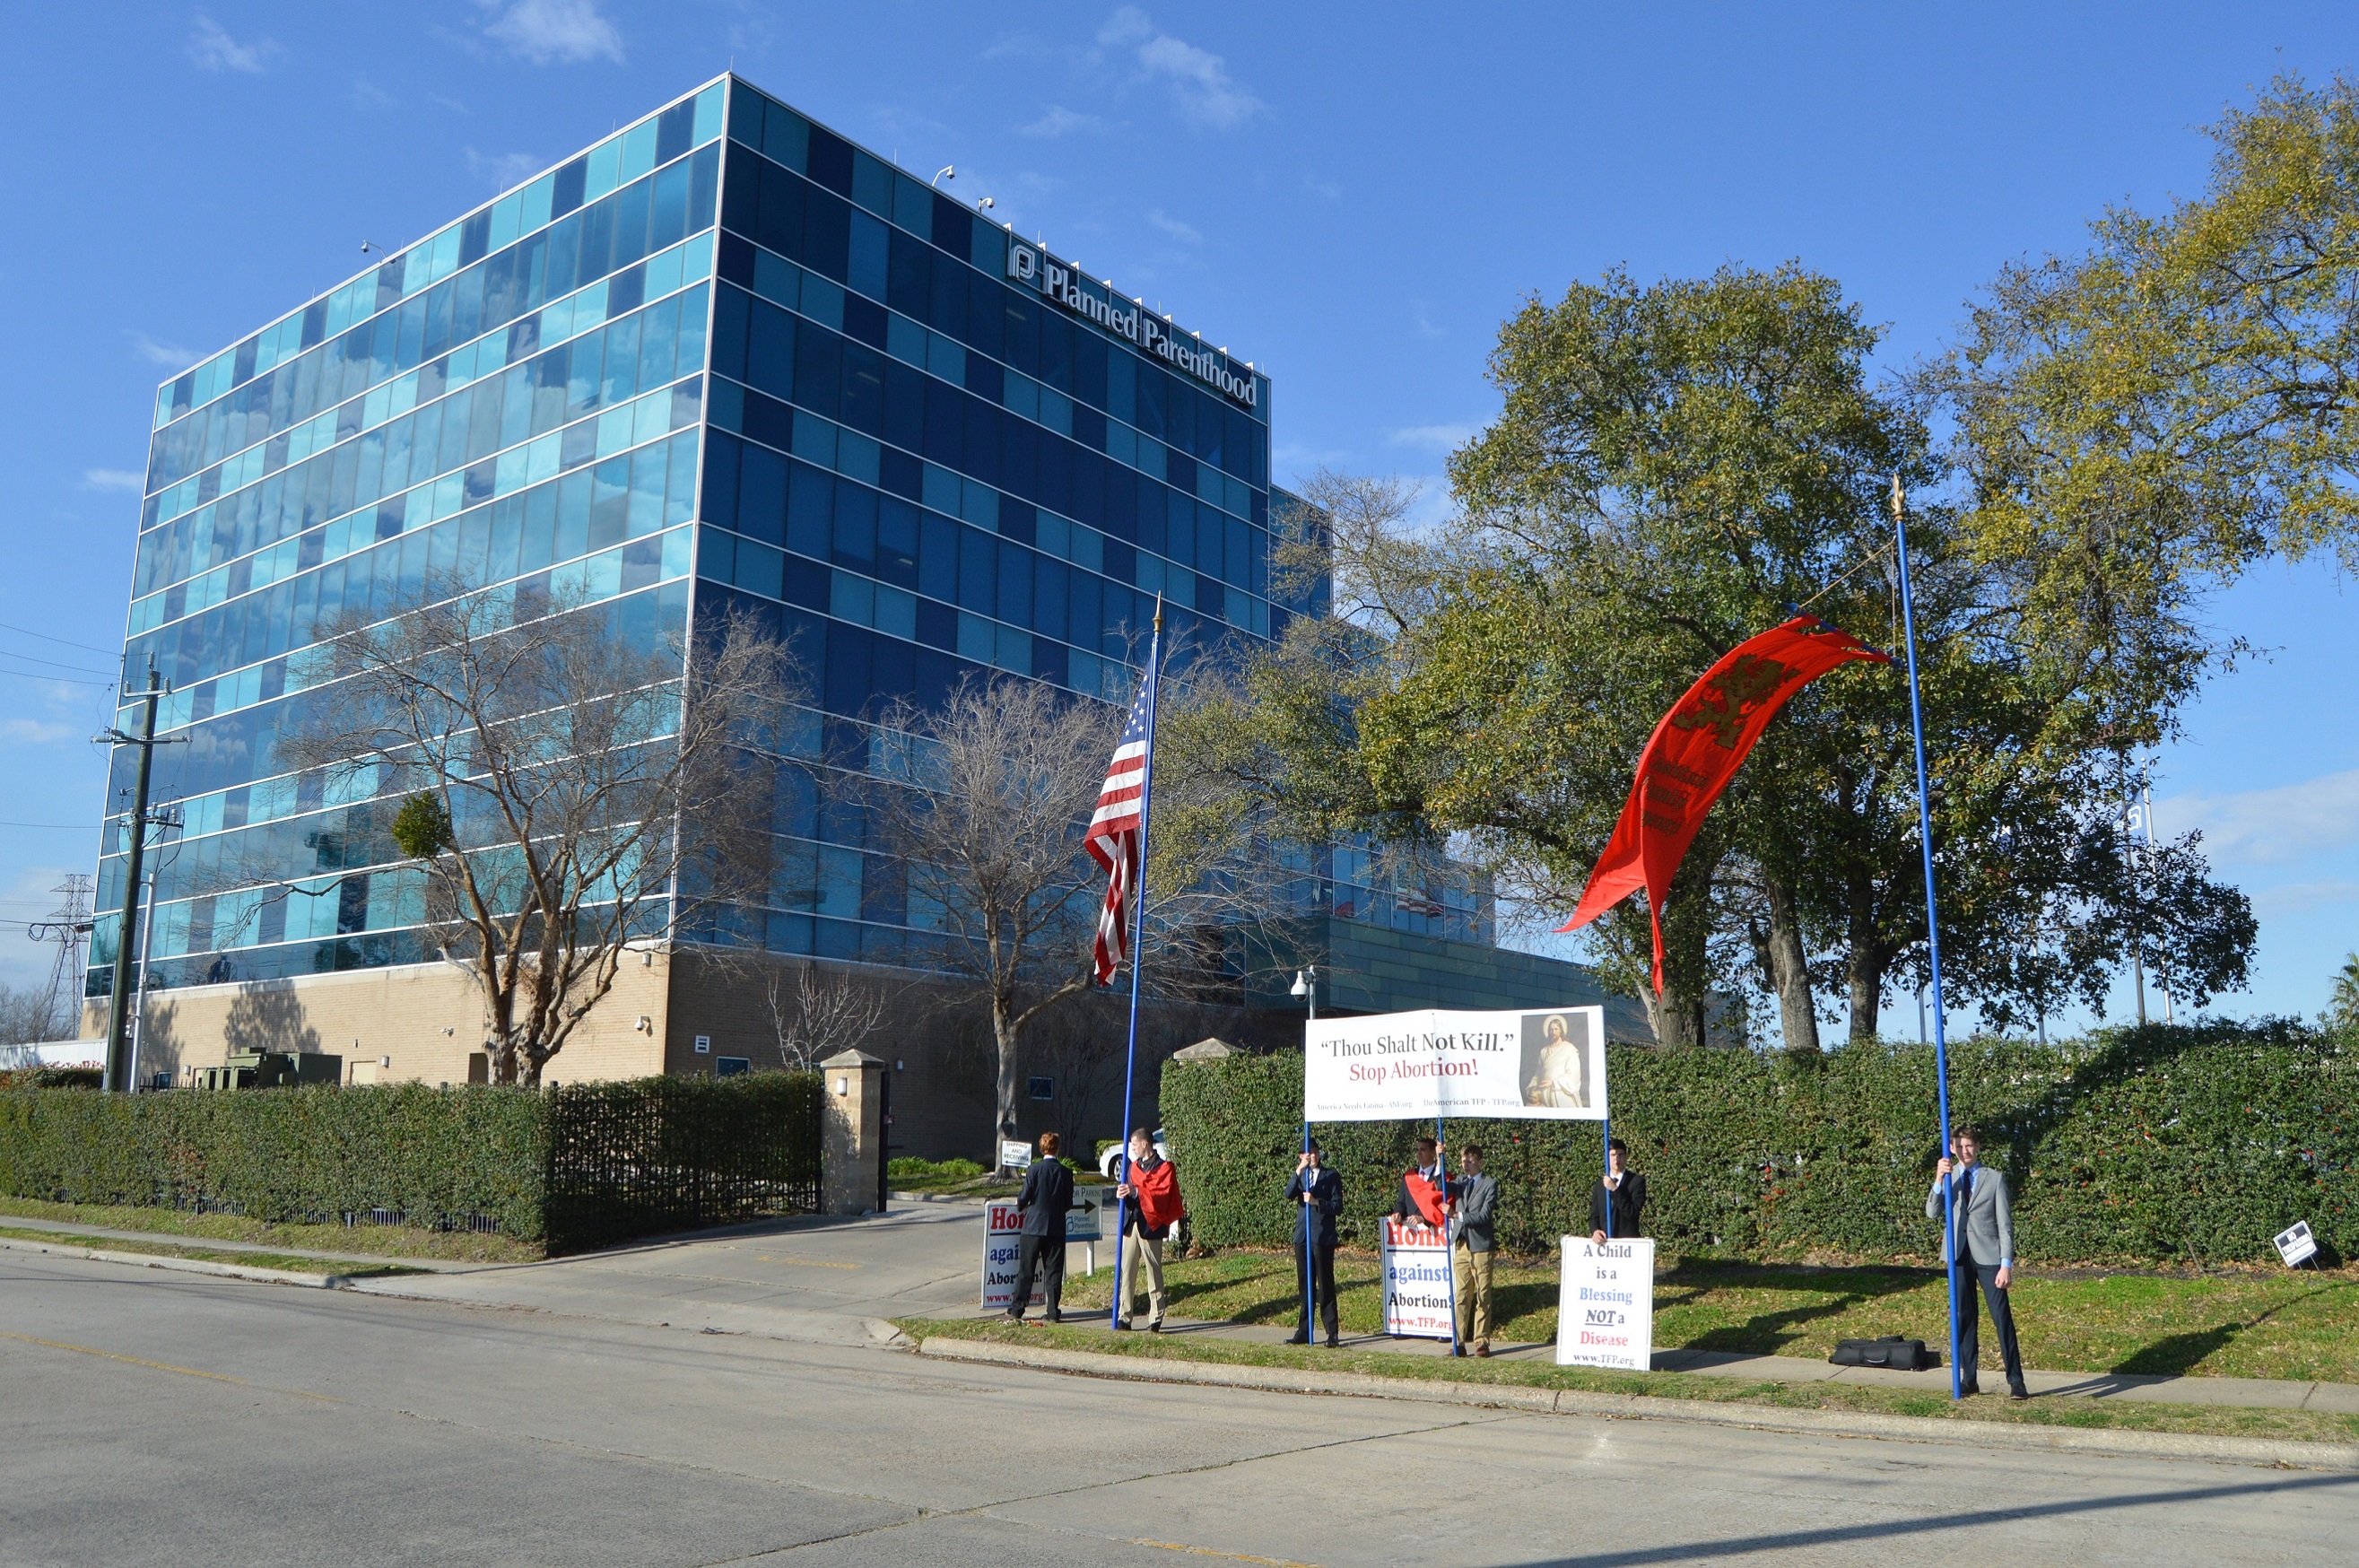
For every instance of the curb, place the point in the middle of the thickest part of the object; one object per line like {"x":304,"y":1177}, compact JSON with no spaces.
{"x":185,"y":1265}
{"x":1649,"y":1407}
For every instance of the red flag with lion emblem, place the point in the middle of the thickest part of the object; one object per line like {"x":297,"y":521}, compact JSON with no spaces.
{"x":1693,"y":754}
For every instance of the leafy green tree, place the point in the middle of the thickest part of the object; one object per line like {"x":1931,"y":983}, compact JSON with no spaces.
{"x":1674,"y":468}
{"x":2142,"y":423}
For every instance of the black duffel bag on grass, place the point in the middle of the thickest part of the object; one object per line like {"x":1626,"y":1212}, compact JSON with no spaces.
{"x":1899,"y":1355}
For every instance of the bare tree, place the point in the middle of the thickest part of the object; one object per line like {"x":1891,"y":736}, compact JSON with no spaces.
{"x":815,"y":1015}
{"x":29,"y":1015}
{"x":567,"y":790}
{"x":983,"y":800}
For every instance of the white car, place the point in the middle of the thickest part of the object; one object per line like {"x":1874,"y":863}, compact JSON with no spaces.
{"x":1112,"y":1155}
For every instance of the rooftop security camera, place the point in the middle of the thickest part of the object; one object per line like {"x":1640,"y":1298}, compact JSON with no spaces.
{"x":947,"y":172}
{"x":986,"y":202}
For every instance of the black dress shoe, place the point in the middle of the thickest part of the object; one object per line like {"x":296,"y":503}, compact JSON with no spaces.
{"x":1970,"y":1391}
{"x":1156,"y":1326}
{"x":2018,"y":1392}
{"x":1333,"y":1343}
{"x":1054,"y":1318}
{"x":1122,"y":1328}
{"x":1302,"y":1337}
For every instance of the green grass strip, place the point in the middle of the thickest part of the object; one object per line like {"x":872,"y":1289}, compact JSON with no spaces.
{"x":2062,"y":1410}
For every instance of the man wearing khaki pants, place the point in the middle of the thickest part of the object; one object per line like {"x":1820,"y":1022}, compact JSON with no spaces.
{"x":1151,"y":1206}
{"x":1474,"y":1201}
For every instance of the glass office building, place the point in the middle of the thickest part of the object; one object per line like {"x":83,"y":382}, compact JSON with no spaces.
{"x":723,"y":360}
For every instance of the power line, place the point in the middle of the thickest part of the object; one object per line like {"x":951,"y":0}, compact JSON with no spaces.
{"x":46,"y":824}
{"x":29,"y":659}
{"x":61,"y":679}
{"x":45,"y":637}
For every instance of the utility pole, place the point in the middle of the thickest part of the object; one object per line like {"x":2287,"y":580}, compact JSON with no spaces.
{"x":118,"y":1018}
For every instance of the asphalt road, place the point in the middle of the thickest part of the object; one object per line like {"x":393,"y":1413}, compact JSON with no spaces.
{"x":152,"y":1416}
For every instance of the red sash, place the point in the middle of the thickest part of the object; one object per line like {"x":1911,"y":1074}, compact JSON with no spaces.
{"x":1159,"y":1195}
{"x":1427,"y":1197}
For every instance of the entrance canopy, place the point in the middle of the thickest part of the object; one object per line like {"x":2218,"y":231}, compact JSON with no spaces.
{"x":1548,"y":1065}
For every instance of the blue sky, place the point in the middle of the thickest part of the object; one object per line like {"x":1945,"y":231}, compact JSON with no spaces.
{"x":1354,"y":196}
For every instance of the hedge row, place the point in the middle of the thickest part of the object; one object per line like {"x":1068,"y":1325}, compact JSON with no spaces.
{"x":569,"y":1167}
{"x":2152,"y":1144}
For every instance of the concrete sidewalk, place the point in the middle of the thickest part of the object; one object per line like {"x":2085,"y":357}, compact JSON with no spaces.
{"x":217,"y":1243}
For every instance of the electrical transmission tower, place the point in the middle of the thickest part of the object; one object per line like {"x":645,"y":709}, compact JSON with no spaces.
{"x":69,"y":927}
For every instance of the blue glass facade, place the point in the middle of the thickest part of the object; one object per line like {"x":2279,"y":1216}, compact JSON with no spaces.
{"x":724,"y":361}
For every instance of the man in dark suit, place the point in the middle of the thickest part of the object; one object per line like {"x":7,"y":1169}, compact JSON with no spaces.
{"x":1317,"y":1195}
{"x":1413,"y":1206}
{"x":1620,"y":1195}
{"x":1983,"y":1218}
{"x":1040,"y":1246}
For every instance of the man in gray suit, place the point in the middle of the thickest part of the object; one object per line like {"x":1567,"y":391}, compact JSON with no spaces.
{"x":1984,"y":1222}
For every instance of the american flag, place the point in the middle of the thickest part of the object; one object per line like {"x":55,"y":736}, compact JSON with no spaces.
{"x":1113,"y":836}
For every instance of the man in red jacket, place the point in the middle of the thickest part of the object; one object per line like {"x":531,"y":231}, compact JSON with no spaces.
{"x":1151,"y":1206}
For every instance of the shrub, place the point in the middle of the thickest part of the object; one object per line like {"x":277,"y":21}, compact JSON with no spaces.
{"x":2135,"y":1144}
{"x":52,"y":1078}
{"x":914,"y":1170}
{"x":569,"y":1167}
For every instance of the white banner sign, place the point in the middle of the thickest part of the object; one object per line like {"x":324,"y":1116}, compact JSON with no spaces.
{"x":1606,"y":1307}
{"x":1547,"y":1064}
{"x":1416,"y":1266}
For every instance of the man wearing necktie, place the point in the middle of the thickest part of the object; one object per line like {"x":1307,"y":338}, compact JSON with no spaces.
{"x":1424,"y":1192}
{"x":1983,"y":1222}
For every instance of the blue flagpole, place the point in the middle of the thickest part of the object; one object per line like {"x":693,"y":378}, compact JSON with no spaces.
{"x":1448,"y":1247}
{"x":1118,"y":1313}
{"x":1605,"y":1152}
{"x":1932,"y":929}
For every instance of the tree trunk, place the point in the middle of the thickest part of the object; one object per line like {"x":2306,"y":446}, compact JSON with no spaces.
{"x":1003,"y":1029}
{"x":1789,"y":971}
{"x":1676,"y":1015}
{"x":1864,"y":966}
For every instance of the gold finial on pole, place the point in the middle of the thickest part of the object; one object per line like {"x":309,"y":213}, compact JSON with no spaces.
{"x":1159,"y":612}
{"x":1896,"y":495}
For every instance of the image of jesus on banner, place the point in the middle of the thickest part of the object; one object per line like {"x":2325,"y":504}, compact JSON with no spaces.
{"x":1555,"y":1061}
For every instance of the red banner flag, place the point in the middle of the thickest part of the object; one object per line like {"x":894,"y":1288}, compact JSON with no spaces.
{"x":1693,"y":754}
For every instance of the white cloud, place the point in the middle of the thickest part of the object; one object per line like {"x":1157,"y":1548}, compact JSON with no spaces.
{"x":172,"y":357}
{"x":2292,"y":821}
{"x":1060,"y":121}
{"x":1174,"y":227}
{"x":212,"y":49}
{"x":553,"y":32}
{"x":36,"y":731}
{"x":367,"y":94}
{"x":1436,"y":438}
{"x":1198,"y":79}
{"x":503,"y":168}
{"x":119,"y":479}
